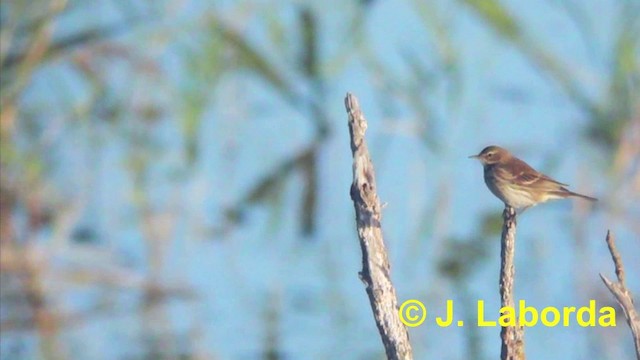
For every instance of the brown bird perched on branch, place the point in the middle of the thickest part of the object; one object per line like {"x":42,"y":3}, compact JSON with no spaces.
{"x":516,"y":183}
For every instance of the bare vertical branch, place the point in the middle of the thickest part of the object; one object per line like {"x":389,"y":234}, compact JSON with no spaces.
{"x":375,"y":263}
{"x":512,"y":336}
{"x":622,"y":294}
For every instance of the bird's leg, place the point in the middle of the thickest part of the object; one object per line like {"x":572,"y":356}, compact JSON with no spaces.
{"x":510,"y":212}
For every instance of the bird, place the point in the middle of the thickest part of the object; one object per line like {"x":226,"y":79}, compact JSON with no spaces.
{"x":516,"y":183}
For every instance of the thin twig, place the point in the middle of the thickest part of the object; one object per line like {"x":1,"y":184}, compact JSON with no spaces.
{"x":375,"y":263}
{"x":512,"y":336}
{"x":622,"y":294}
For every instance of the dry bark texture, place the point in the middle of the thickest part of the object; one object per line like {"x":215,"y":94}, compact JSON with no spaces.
{"x":512,"y":336}
{"x":375,"y":262}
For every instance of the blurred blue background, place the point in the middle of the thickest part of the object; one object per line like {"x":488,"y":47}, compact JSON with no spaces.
{"x":175,"y":174}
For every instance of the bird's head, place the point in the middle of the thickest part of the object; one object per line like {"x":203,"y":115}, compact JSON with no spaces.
{"x":492,"y":155}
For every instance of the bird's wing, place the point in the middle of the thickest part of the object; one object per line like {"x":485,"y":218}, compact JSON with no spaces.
{"x":526,"y":175}
{"x":546,"y":178}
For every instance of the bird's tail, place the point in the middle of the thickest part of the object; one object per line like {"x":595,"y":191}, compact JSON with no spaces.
{"x":566,"y":193}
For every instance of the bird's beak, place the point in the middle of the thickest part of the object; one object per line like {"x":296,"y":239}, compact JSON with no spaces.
{"x":474,"y":156}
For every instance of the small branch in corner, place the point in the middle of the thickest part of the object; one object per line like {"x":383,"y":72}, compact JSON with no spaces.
{"x":622,"y":294}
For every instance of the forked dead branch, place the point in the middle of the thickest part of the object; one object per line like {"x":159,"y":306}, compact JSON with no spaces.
{"x":622,"y":294}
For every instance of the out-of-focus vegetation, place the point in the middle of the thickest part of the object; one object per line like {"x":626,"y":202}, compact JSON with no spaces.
{"x":83,"y":83}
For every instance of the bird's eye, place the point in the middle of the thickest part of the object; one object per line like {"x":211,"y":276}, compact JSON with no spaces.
{"x":489,"y":155}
